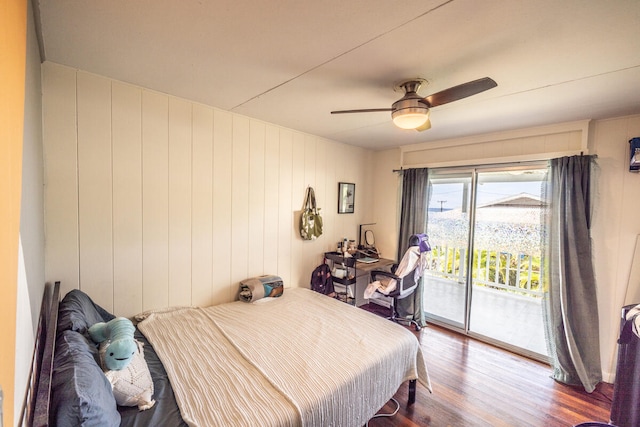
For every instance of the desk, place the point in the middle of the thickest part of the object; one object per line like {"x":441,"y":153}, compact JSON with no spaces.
{"x":358,"y":276}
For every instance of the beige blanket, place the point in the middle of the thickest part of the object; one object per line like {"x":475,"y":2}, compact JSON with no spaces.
{"x":301,"y":359}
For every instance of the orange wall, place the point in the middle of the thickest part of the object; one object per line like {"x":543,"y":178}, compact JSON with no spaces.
{"x":13,"y":30}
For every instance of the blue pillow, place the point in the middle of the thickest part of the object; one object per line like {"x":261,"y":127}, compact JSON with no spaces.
{"x":81,"y":395}
{"x":77,"y":312}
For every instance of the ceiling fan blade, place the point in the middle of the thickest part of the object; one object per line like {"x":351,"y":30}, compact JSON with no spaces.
{"x":368,"y":110}
{"x":425,"y":126}
{"x":461,"y":91}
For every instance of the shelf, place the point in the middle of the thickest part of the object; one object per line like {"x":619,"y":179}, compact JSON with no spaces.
{"x":342,"y":296}
{"x":344,"y":280}
{"x":339,"y":258}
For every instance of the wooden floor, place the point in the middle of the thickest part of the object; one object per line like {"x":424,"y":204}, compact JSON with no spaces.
{"x":476,"y":384}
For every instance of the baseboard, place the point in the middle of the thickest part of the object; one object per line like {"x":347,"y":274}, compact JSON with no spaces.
{"x":609,"y":377}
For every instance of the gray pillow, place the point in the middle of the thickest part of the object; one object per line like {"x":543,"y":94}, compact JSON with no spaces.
{"x":77,"y":312}
{"x":81,"y":395}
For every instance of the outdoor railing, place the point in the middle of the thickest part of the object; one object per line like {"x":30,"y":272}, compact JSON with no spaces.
{"x":518,"y":273}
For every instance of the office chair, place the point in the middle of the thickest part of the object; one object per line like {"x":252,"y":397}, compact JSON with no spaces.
{"x":408,"y":282}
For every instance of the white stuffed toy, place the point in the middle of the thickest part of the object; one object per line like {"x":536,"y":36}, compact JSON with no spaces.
{"x":132,"y":385}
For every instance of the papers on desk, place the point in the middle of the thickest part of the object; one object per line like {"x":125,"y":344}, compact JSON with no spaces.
{"x":367,"y":260}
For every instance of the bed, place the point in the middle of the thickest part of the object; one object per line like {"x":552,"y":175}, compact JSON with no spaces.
{"x":302,"y":359}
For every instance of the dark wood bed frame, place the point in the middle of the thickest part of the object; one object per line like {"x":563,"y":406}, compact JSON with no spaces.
{"x":36,"y":406}
{"x":35,"y":409}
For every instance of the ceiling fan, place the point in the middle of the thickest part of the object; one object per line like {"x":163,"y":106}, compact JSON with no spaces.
{"x":412,"y":111}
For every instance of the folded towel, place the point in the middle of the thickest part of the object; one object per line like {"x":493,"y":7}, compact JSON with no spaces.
{"x":255,"y":288}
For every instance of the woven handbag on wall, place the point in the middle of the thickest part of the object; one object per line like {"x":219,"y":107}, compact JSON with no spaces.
{"x":310,"y":220}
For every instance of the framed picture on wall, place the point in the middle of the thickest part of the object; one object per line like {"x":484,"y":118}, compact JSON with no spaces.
{"x":346,"y":197}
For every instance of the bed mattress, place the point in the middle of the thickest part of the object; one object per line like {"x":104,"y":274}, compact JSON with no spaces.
{"x":300,"y":359}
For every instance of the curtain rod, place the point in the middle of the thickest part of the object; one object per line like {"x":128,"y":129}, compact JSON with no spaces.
{"x":582,"y":153}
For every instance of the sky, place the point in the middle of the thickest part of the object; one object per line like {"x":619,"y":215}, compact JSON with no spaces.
{"x":450,"y":195}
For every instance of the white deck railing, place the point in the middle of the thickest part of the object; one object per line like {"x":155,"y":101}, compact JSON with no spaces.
{"x":517,"y":273}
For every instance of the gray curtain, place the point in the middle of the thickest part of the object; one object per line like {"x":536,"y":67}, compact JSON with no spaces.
{"x":413,"y":220}
{"x":570,"y":301}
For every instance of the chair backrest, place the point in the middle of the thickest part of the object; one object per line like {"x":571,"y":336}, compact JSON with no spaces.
{"x":418,"y":244}
{"x":406,"y":271}
{"x":407,"y":285}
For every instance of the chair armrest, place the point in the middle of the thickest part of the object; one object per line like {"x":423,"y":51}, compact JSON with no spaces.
{"x":375,"y":273}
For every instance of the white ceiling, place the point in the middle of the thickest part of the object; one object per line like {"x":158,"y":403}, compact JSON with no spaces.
{"x":291,"y":62}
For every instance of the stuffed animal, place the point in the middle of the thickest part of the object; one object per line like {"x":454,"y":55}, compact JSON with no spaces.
{"x":120,"y":346}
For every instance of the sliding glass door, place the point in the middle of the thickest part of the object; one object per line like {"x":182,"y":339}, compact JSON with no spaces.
{"x":485,"y":267}
{"x":448,"y":227}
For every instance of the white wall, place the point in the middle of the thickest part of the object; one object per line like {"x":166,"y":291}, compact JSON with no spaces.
{"x":542,"y":142}
{"x":616,"y":196}
{"x":31,"y":249}
{"x":153,"y":200}
{"x":615,"y":226}
{"x":386,"y":202}
{"x":32,"y":199}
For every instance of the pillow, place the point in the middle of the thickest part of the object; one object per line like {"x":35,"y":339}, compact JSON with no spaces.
{"x":81,"y":395}
{"x":256,"y":288}
{"x":132,"y":385}
{"x":77,"y":312}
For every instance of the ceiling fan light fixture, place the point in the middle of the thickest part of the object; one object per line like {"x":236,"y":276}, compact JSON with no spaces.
{"x":410,"y":118}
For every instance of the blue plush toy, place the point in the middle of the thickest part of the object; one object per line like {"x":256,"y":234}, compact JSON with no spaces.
{"x":121,"y":345}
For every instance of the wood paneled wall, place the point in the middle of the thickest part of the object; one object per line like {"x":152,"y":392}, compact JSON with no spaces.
{"x":153,"y":200}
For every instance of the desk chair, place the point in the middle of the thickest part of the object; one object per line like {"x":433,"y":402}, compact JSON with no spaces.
{"x":407,"y":283}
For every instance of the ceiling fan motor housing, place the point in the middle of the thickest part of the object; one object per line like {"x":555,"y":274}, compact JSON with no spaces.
{"x":411,"y":102}
{"x":409,"y":105}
